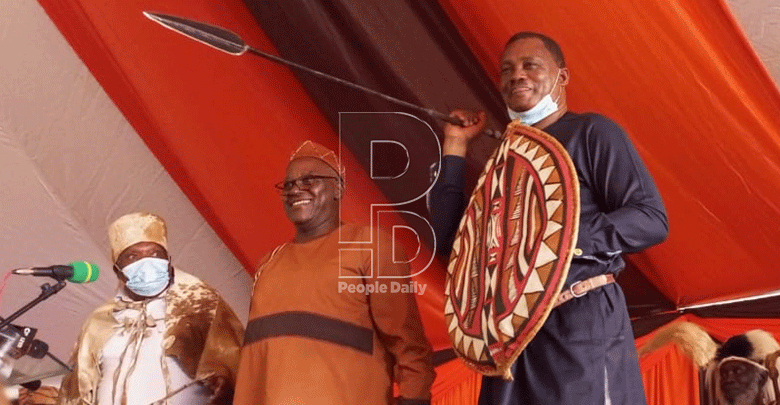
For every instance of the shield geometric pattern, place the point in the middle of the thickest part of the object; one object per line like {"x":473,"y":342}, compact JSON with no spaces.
{"x":512,"y":250}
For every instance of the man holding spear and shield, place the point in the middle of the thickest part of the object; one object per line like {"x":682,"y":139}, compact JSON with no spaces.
{"x":531,"y":294}
{"x":584,"y":352}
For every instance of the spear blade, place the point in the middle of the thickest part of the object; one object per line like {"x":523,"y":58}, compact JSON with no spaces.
{"x":229,"y":42}
{"x":211,"y":35}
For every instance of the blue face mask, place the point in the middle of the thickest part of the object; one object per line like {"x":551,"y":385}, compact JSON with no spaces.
{"x":147,"y":277}
{"x":540,"y":111}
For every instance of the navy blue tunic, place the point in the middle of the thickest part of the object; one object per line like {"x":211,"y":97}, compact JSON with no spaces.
{"x":584,"y":353}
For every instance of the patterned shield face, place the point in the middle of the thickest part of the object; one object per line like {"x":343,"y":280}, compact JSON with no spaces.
{"x":512,"y":250}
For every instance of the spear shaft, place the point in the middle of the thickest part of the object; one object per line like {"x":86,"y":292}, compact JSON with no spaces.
{"x":229,"y":42}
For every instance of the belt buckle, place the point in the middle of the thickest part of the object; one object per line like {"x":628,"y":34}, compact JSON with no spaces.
{"x":575,"y":295}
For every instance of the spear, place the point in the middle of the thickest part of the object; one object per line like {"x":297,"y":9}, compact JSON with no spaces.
{"x":229,"y":42}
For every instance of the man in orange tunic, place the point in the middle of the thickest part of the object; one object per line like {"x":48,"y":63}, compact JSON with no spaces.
{"x":323,"y":328}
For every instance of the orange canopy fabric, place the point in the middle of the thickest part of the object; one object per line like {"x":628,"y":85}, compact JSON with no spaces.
{"x":677,"y":74}
{"x":669,"y":377}
{"x":224,"y":128}
{"x":680,"y":76}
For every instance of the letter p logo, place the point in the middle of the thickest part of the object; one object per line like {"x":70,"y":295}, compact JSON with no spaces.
{"x":400,"y":148}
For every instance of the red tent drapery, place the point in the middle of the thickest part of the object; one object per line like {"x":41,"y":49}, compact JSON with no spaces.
{"x":682,"y":79}
{"x":670,"y":377}
{"x":223,"y":127}
{"x":678,"y":75}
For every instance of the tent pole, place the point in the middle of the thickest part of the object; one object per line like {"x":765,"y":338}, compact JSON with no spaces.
{"x":732,"y":301}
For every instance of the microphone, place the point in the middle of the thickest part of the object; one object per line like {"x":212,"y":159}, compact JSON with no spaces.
{"x":24,"y":340}
{"x":38,"y":349}
{"x":27,"y":344}
{"x":18,"y":341}
{"x":76,"y":272}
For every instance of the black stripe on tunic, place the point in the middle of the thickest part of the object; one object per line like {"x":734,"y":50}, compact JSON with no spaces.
{"x":313,"y":326}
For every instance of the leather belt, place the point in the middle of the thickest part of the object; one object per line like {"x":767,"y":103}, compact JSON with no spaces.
{"x":582,"y":287}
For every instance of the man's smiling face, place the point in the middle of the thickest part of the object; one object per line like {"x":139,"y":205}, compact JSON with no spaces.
{"x":313,"y":200}
{"x":528,"y":72}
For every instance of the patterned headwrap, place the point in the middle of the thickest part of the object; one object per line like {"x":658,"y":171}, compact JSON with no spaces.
{"x":130,"y":229}
{"x":317,"y":151}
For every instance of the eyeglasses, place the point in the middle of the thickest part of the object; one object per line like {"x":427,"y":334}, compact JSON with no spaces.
{"x":303,"y":182}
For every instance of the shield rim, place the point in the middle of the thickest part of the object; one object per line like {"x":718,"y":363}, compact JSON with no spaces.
{"x":503,"y":368}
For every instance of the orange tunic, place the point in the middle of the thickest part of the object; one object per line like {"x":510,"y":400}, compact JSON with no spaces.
{"x":316,"y":337}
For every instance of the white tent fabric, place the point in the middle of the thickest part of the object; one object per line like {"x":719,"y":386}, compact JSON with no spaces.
{"x":760,"y":21}
{"x":69,"y":165}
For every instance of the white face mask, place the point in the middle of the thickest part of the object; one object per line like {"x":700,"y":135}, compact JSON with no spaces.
{"x":147,"y":277}
{"x":544,"y":108}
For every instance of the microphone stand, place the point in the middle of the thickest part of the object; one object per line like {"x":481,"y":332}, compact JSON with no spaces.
{"x":46,"y":292}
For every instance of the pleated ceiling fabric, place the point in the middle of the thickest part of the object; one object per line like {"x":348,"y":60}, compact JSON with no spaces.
{"x":224,"y":128}
{"x":681,"y":77}
{"x":677,"y":74}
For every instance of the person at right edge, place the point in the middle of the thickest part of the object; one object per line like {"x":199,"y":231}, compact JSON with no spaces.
{"x":584,"y":353}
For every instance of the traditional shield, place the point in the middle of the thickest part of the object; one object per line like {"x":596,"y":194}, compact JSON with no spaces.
{"x":512,"y":250}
